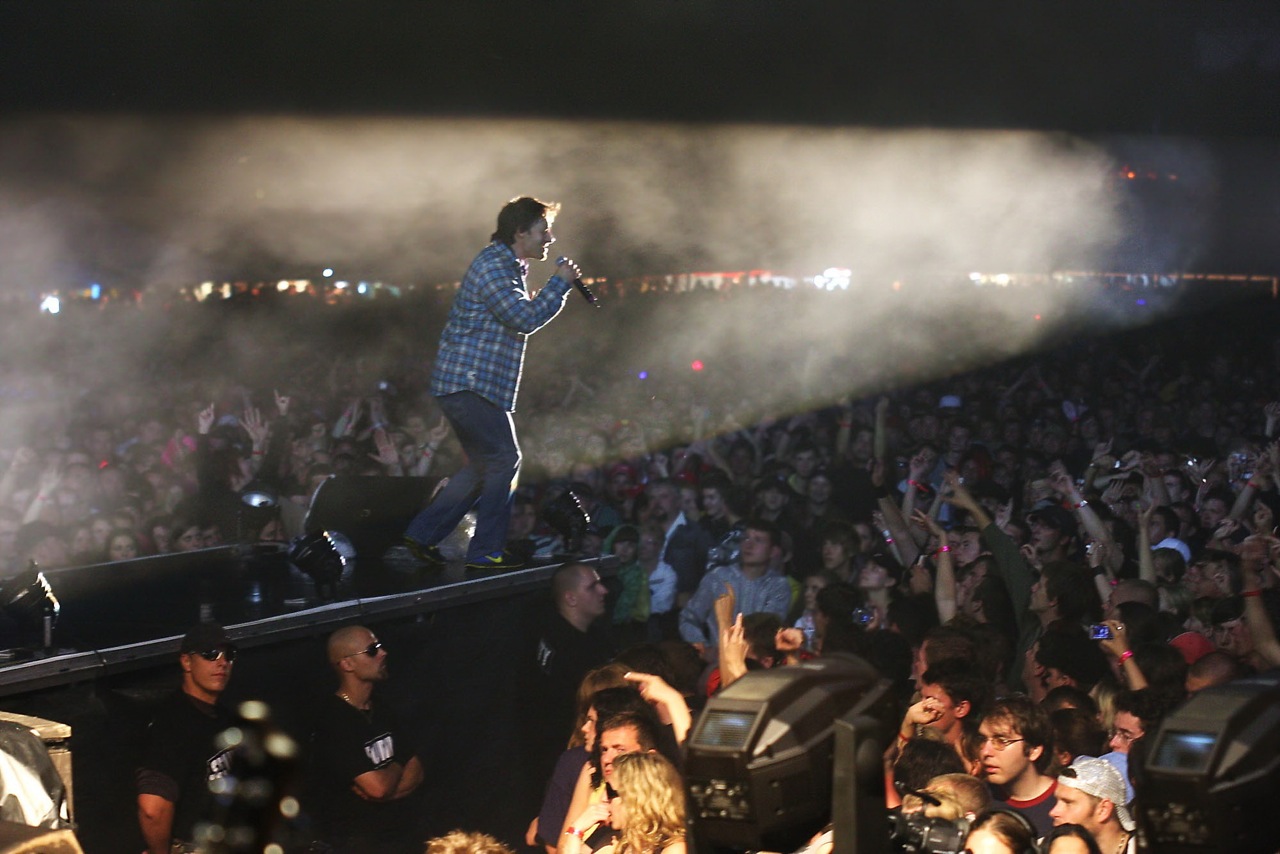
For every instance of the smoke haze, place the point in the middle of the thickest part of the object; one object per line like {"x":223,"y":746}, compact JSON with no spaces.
{"x":165,"y":203}
{"x":174,"y":201}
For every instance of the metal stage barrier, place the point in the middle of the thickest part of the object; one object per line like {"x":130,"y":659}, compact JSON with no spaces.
{"x":113,"y":617}
{"x":459,"y":645}
{"x":122,"y":616}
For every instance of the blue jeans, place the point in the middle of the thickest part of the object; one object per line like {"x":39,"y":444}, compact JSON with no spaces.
{"x":487,"y":482}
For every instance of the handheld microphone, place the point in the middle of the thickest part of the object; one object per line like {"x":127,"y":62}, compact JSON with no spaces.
{"x":582,"y":289}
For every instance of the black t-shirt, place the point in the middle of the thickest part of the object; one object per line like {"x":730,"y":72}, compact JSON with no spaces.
{"x":557,"y":657}
{"x":181,"y":758}
{"x":349,"y":742}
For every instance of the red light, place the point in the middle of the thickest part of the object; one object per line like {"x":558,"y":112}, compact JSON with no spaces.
{"x":1037,"y":317}
{"x":697,"y":364}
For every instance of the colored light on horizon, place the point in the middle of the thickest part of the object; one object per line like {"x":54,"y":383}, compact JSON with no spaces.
{"x":697,"y":364}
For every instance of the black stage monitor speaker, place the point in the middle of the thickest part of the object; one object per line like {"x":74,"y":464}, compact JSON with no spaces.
{"x":372,"y":511}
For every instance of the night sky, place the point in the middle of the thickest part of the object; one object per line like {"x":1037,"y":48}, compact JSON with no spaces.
{"x":1155,"y":67}
{"x":1110,"y":72}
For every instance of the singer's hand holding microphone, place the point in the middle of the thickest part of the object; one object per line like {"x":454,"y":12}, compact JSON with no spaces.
{"x":567,"y":270}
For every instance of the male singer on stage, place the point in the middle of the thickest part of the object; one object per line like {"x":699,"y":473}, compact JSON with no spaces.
{"x":477,"y":375}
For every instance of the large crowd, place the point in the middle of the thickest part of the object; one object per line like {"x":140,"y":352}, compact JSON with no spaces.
{"x":971,"y":534}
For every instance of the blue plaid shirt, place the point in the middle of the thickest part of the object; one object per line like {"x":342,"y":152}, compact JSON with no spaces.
{"x":482,"y":348}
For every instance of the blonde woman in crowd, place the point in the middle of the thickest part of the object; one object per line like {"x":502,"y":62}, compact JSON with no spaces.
{"x":646,"y":811}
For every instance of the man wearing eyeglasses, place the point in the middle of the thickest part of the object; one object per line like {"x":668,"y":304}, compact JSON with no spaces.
{"x":1136,"y":714}
{"x":181,"y":759}
{"x":1016,"y":751}
{"x":364,"y":767}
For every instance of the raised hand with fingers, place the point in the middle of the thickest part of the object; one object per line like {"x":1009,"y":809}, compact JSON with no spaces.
{"x":204,"y":420}
{"x":438,"y":433}
{"x":666,"y":701}
{"x":1004,"y":514}
{"x":927,"y":523}
{"x":1199,"y":470}
{"x":955,"y":492}
{"x":726,"y":605}
{"x":257,"y":428}
{"x":387,"y":455}
{"x":788,"y":640}
{"x":733,"y":652}
{"x":1102,"y":455}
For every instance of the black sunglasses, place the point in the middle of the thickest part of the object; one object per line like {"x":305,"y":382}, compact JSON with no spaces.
{"x":218,"y":652}
{"x":371,"y":650}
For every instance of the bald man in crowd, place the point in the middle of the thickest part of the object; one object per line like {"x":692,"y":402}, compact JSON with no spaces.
{"x":363,"y":767}
{"x":1212,"y":669}
{"x":569,"y":640}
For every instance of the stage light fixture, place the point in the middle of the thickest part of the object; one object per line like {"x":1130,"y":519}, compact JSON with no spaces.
{"x":327,"y":557}
{"x":30,"y":606}
{"x":1207,"y":780}
{"x":761,"y":760}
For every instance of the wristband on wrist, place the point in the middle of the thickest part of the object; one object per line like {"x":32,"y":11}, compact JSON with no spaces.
{"x":942,"y":549}
{"x":1081,"y":503}
{"x":1253,"y":484}
{"x":1249,"y":593}
{"x":1126,"y":655}
{"x":574,"y":832}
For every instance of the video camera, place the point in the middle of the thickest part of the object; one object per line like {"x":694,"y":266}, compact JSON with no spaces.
{"x":916,"y":833}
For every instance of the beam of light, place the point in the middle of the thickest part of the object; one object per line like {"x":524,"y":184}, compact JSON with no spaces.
{"x":900,"y":222}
